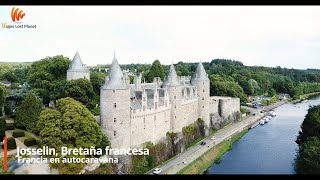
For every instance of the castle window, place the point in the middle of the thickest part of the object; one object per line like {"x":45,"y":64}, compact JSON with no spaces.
{"x":202,"y":106}
{"x":202,"y":98}
{"x":175,"y":117}
{"x":144,"y":123}
{"x":203,"y":90}
{"x":203,"y":83}
{"x":175,"y":106}
{"x":114,"y":105}
{"x":174,"y":97}
{"x":114,"y":133}
{"x":114,"y":91}
{"x":114,"y":119}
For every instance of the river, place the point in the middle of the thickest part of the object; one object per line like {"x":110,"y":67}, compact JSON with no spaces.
{"x":269,"y":148}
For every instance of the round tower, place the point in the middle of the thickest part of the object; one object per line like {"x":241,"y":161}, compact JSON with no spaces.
{"x":175,"y":96}
{"x":115,"y":107}
{"x":77,"y":69}
{"x":201,"y":81}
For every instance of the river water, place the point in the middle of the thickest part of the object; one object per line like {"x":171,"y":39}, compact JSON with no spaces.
{"x":269,"y":148}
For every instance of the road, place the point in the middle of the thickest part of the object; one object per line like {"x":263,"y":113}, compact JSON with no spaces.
{"x":180,"y":161}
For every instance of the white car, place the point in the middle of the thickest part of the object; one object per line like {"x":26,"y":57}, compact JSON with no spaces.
{"x":213,"y":138}
{"x":157,"y":170}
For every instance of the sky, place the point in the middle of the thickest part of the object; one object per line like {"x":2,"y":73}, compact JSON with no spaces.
{"x":286,"y":36}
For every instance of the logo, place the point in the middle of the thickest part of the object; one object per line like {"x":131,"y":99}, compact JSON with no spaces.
{"x":17,"y":14}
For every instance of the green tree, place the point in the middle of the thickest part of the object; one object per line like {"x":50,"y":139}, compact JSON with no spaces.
{"x":308,"y":160}
{"x":226,"y":86}
{"x":9,"y":76}
{"x":97,"y":80}
{"x":3,"y":94}
{"x":70,"y":125}
{"x":15,"y":98}
{"x":44,"y":74}
{"x":156,"y":70}
{"x":28,"y":112}
{"x":310,"y":125}
{"x":2,"y":128}
{"x":80,"y":90}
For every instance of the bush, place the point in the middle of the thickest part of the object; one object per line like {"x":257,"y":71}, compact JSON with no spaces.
{"x":18,"y":134}
{"x":10,"y":126}
{"x":2,"y":127}
{"x":11,"y":143}
{"x":30,"y":142}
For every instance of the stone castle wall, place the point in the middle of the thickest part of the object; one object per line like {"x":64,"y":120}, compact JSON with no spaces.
{"x":149,"y":125}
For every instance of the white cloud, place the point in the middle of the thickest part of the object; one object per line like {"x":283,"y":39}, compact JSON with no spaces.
{"x":255,"y":35}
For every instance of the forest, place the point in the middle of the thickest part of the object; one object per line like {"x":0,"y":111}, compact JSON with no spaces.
{"x":28,"y":89}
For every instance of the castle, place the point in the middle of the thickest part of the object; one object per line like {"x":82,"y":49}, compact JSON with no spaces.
{"x":132,"y":114}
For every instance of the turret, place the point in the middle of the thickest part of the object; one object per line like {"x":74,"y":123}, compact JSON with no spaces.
{"x":115,"y":107}
{"x":173,"y":85}
{"x":137,"y":81}
{"x":77,"y":69}
{"x":201,"y":81}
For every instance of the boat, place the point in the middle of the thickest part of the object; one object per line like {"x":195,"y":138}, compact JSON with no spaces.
{"x":266,"y":120}
{"x":272,"y":113}
{"x":254,"y":125}
{"x":269,"y":117}
{"x":262,"y":122}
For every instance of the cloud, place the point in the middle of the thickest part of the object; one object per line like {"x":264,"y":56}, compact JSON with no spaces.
{"x":255,"y":35}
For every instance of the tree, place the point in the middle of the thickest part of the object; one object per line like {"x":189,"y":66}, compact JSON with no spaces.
{"x":226,"y":86}
{"x":2,"y":128}
{"x":28,"y":112}
{"x":44,"y":74}
{"x":308,"y":160}
{"x":310,"y":125}
{"x":70,"y":125}
{"x":97,"y":80}
{"x":3,"y":93}
{"x":156,"y":70}
{"x":15,"y":98}
{"x":9,"y":76}
{"x":80,"y":90}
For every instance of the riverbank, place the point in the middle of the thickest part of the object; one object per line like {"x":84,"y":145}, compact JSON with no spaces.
{"x":213,"y":155}
{"x":305,"y":96}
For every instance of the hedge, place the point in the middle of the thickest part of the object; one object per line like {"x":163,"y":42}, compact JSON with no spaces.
{"x":30,"y":142}
{"x":11,"y":143}
{"x":18,"y":134}
{"x":10,"y":126}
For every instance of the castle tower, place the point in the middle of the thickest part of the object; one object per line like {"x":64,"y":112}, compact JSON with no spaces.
{"x":115,"y":107}
{"x":137,"y":81}
{"x":201,"y":81}
{"x":77,"y":69}
{"x":175,"y":95}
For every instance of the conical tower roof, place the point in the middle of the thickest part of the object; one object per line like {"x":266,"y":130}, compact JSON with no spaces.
{"x":200,"y":74}
{"x":172,"y":78}
{"x":77,"y":65}
{"x":115,"y":76}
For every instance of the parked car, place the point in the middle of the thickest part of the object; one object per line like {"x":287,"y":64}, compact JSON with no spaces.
{"x":203,"y":143}
{"x":157,"y":170}
{"x":213,"y":138}
{"x":184,"y":162}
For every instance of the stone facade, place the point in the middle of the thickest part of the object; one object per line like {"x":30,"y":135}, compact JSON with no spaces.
{"x":132,"y":114}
